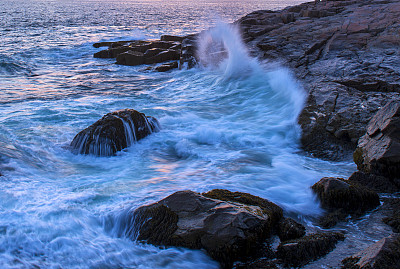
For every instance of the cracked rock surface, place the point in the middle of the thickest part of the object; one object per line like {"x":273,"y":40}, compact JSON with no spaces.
{"x":346,"y":53}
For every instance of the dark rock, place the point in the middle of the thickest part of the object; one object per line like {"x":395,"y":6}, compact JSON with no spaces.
{"x":393,"y":218}
{"x":336,"y":193}
{"x":167,"y":67}
{"x":348,"y":58}
{"x":331,"y":218}
{"x":112,"y":52}
{"x":384,"y":254}
{"x":153,"y":52}
{"x":269,"y":208}
{"x":111,"y":44}
{"x":301,"y":251}
{"x":114,"y":132}
{"x":289,"y":229}
{"x":227,"y":230}
{"x":188,"y":52}
{"x":168,"y":55}
{"x":171,"y":38}
{"x":131,"y":58}
{"x":378,"y":151}
{"x":375,"y":182}
{"x":262,"y":263}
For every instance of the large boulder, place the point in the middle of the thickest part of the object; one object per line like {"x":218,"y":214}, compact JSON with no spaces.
{"x":114,"y":132}
{"x":301,"y":251}
{"x":227,"y":229}
{"x":384,"y":254}
{"x":378,"y":151}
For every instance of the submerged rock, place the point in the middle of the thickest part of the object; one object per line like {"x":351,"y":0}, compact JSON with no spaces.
{"x":384,"y":254}
{"x":301,"y":251}
{"x":114,"y":132}
{"x":227,"y":229}
{"x":378,"y":151}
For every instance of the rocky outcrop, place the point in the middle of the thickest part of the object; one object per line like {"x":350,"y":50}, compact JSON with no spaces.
{"x":227,"y":229}
{"x":301,"y":251}
{"x":374,"y":182}
{"x":168,"y":48}
{"x":384,"y":254}
{"x":341,"y":198}
{"x":378,"y":151}
{"x":346,"y":53}
{"x":114,"y":132}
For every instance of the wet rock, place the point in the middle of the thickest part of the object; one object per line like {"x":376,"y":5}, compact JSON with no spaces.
{"x":378,"y":151}
{"x":348,"y":58}
{"x":188,"y":52}
{"x":153,"y":52}
{"x":301,"y":251}
{"x":227,"y":230}
{"x":172,"y":38}
{"x":111,"y":44}
{"x":336,"y":193}
{"x":393,"y":216}
{"x":375,"y":182}
{"x":112,"y":52}
{"x":167,"y":55}
{"x":131,"y":58}
{"x":384,"y":254}
{"x":167,"y":67}
{"x":114,"y":132}
{"x":290,"y":229}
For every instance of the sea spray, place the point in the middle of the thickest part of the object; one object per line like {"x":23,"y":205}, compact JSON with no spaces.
{"x":222,"y":47}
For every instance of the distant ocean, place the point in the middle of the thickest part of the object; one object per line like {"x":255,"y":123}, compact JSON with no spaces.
{"x":233,"y":126}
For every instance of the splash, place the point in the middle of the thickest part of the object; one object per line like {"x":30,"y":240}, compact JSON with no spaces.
{"x":222,"y":47}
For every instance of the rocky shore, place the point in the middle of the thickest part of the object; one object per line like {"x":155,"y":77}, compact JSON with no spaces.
{"x":346,"y":54}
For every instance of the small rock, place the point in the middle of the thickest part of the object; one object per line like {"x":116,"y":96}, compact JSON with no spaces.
{"x":335,"y":193}
{"x":301,"y":251}
{"x":290,"y":229}
{"x":384,"y":254}
{"x":114,"y":132}
{"x":167,"y":67}
{"x":171,"y":38}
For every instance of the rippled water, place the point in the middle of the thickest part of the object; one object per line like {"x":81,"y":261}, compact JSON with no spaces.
{"x":231,"y":126}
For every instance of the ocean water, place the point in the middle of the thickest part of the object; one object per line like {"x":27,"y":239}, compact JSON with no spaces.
{"x":231,"y":125}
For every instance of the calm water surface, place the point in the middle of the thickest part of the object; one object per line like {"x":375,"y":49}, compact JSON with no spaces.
{"x":229,"y":127}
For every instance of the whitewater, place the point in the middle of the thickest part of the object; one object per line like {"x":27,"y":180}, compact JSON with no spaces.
{"x":229,"y":124}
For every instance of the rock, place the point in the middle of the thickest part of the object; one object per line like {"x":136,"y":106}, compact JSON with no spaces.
{"x":289,"y":229}
{"x":188,"y":52}
{"x":227,"y":230}
{"x":393,"y":218}
{"x":299,"y":252}
{"x":347,"y":56}
{"x":153,"y":52}
{"x":131,"y":58}
{"x":114,"y":132}
{"x":384,"y":254}
{"x":378,"y":151}
{"x":171,"y":38}
{"x":167,"y":67}
{"x":112,"y":52}
{"x":168,"y":55}
{"x":375,"y":182}
{"x":335,"y":193}
{"x":111,"y":44}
